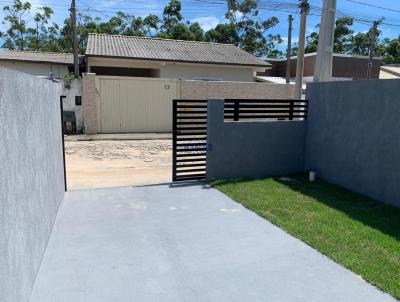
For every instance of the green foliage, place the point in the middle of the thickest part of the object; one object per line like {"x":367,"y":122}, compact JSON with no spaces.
{"x":245,"y":30}
{"x":343,"y":37}
{"x":69,"y":76}
{"x":389,"y":50}
{"x":353,"y":230}
{"x":16,"y":34}
{"x":223,"y":33}
{"x":39,"y":34}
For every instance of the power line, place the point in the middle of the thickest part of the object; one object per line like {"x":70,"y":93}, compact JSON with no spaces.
{"x":375,"y":6}
{"x":100,"y":12}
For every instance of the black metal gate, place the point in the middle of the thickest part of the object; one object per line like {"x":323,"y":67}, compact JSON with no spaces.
{"x":189,"y":140}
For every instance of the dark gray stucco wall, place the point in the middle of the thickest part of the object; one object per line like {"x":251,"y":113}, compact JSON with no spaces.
{"x":353,"y":136}
{"x":252,"y":149}
{"x":31,"y":177}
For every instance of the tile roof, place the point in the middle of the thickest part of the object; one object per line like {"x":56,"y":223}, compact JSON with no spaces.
{"x":33,"y":56}
{"x":144,"y":48}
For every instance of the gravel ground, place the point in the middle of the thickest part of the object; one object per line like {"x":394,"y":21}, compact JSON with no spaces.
{"x":98,"y":164}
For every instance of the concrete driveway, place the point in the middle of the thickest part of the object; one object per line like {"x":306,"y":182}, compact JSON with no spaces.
{"x":184,"y":243}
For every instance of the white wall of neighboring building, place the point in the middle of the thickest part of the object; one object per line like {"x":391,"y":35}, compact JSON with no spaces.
{"x":71,"y":89}
{"x":184,"y":71}
{"x":210,"y":72}
{"x":36,"y":69}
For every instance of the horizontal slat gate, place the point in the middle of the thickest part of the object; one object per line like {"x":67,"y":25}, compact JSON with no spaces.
{"x":189,"y":139}
{"x":269,"y":110}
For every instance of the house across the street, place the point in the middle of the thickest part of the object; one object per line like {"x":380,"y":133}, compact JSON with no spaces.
{"x":143,"y":57}
{"x":131,"y":81}
{"x":344,"y":67}
{"x":173,"y":59}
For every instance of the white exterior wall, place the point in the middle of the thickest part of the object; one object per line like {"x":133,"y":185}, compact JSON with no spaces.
{"x":184,"y":71}
{"x":74,"y":89}
{"x":36,"y":69}
{"x":196,"y":71}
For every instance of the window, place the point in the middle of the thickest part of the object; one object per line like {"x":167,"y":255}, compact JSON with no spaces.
{"x":78,"y":100}
{"x":207,"y":79}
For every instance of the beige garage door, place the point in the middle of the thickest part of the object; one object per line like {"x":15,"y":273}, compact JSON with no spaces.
{"x":136,"y":104}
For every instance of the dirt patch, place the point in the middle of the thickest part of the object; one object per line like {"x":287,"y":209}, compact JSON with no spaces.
{"x":99,"y":164}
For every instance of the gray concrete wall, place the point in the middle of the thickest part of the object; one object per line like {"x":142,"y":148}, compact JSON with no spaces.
{"x":71,"y":89}
{"x":252,"y":149}
{"x":31,"y":177}
{"x":353,"y":136}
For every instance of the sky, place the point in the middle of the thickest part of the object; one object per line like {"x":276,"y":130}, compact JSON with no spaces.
{"x":211,"y":12}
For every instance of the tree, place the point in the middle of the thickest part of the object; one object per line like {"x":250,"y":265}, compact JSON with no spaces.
{"x":389,"y":50}
{"x":171,"y":20}
{"x":53,"y":44}
{"x":196,"y":32}
{"x":17,"y":31}
{"x":312,"y":42}
{"x":361,"y":42}
{"x":151,"y":24}
{"x":223,"y":33}
{"x":173,"y":27}
{"x":343,"y":37}
{"x":38,"y":37}
{"x":245,"y":30}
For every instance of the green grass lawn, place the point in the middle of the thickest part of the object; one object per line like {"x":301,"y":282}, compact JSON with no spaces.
{"x":353,"y":230}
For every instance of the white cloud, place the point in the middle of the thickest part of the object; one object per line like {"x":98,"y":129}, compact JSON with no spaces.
{"x":285,"y":41}
{"x":36,"y":5}
{"x":207,"y":23}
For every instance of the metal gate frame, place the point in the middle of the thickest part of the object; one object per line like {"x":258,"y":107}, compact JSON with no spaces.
{"x":189,"y":133}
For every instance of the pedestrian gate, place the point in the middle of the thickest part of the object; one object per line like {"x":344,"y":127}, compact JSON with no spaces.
{"x":189,"y":140}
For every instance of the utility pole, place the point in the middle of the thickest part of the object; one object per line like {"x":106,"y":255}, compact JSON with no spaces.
{"x":74,"y":38}
{"x":289,"y":49}
{"x":324,"y":61}
{"x":304,"y":6}
{"x":372,"y":48}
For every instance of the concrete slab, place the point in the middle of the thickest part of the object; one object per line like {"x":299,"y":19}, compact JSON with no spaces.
{"x":118,"y":136}
{"x":185,"y":243}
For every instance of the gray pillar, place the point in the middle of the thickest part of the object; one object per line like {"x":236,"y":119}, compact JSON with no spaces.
{"x":215,"y":123}
{"x":323,"y":64}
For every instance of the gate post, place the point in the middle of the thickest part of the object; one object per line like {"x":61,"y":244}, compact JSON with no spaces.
{"x":236,"y":110}
{"x":291,"y":110}
{"x":62,"y":97}
{"x":174,"y":117}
